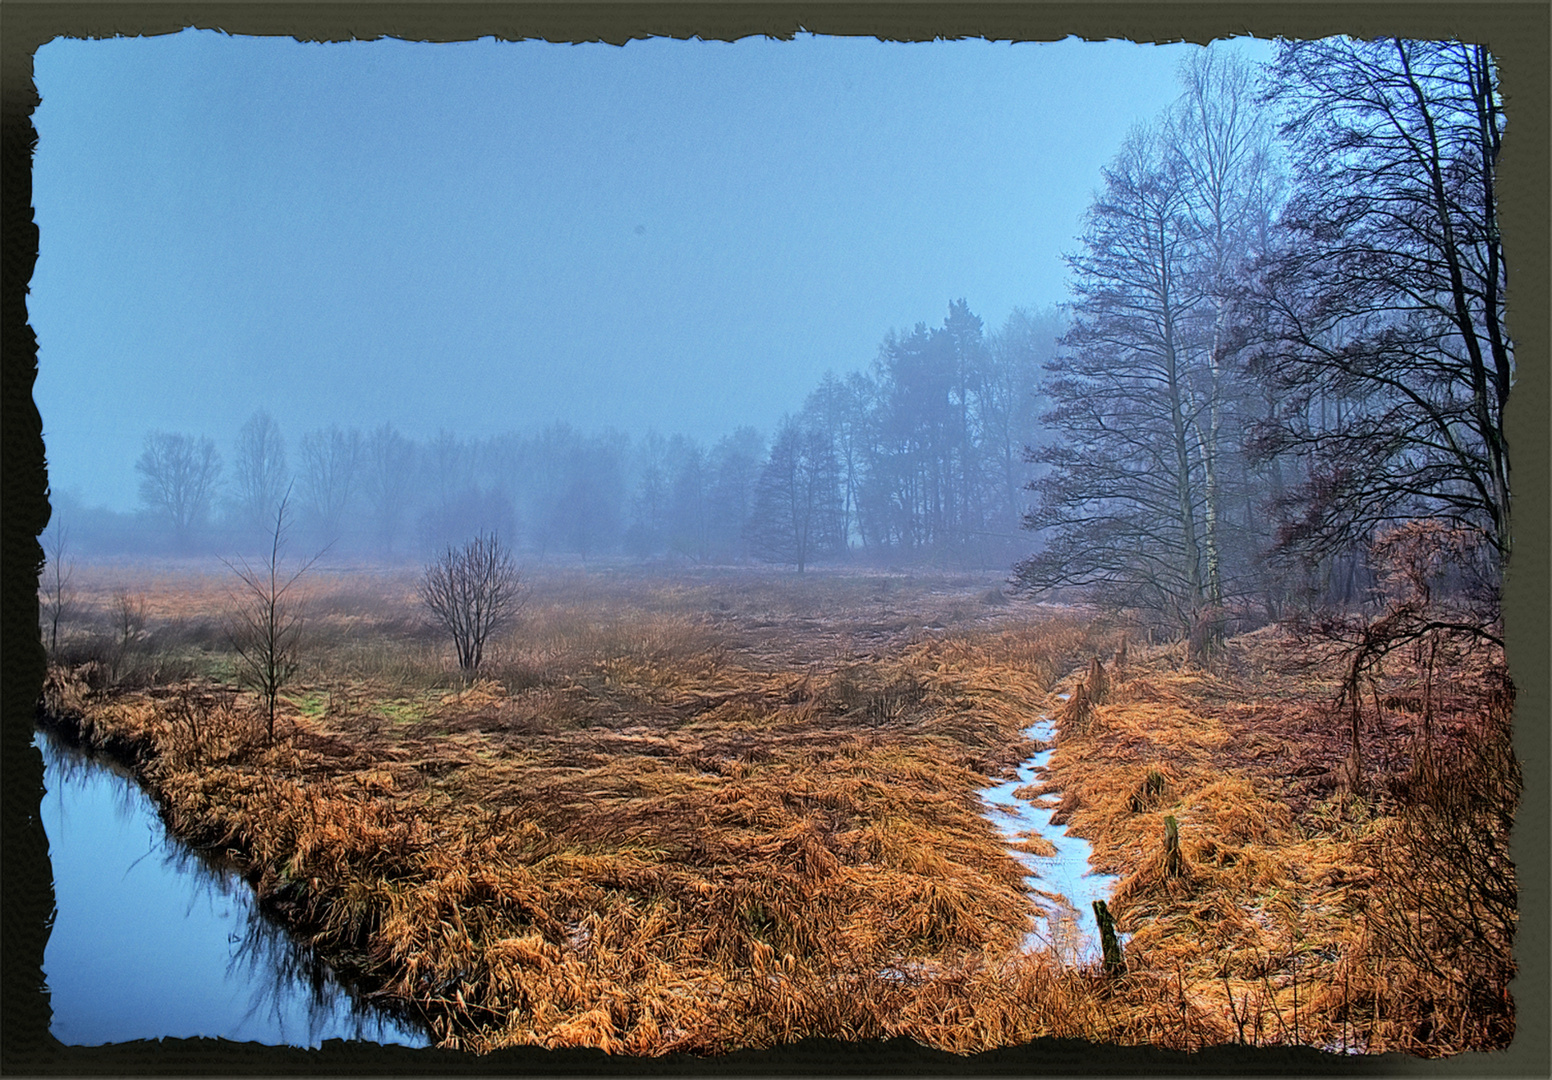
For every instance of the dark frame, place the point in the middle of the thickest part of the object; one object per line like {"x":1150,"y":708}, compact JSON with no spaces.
{"x":1517,"y":32}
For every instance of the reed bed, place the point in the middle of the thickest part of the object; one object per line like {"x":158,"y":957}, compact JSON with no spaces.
{"x":633,"y":835}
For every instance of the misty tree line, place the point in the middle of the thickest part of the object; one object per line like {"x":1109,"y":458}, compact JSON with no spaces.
{"x":380,"y":492}
{"x":1284,"y":340}
{"x":921,"y":457}
{"x":1287,"y":340}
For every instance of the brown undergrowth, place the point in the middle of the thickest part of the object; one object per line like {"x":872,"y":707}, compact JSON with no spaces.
{"x":707,"y":813}
{"x":639,"y":841}
{"x":1297,"y":906}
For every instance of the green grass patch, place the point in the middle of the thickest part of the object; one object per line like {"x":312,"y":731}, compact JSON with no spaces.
{"x":312,"y":704}
{"x":402,"y":710}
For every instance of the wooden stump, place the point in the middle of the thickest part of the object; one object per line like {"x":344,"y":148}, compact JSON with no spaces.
{"x":1078,"y":711}
{"x":1114,"y":962}
{"x":1174,"y":862}
{"x":1098,"y":682}
{"x":1148,"y":792}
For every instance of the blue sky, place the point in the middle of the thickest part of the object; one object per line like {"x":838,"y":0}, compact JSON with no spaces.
{"x":493,"y":236}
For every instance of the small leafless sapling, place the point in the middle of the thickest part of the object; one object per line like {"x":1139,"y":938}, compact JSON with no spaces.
{"x":129,"y":621}
{"x":266,"y":622}
{"x":58,"y":596}
{"x":199,"y":718}
{"x":472,"y":592}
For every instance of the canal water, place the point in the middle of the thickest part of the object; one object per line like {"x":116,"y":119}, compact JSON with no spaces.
{"x":1064,"y":886}
{"x":152,"y":940}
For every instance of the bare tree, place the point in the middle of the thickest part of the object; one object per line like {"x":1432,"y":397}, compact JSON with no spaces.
{"x":797,"y":500}
{"x":178,"y":479}
{"x":1010,"y":405}
{"x":266,"y":623}
{"x":472,"y":592}
{"x":1124,"y":496}
{"x":689,"y":524}
{"x":1152,"y":394}
{"x":1221,"y":142}
{"x":388,"y":479}
{"x":331,"y":463}
{"x":58,"y":596}
{"x":735,"y":466}
{"x":259,"y":469}
{"x":128,"y":616}
{"x":917,"y":443}
{"x":1388,"y":303}
{"x":649,"y":501}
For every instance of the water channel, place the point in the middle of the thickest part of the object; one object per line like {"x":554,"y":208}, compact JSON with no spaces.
{"x":1063,"y":886}
{"x":151,"y":940}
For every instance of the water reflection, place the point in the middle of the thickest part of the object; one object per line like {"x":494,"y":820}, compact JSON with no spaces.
{"x":151,"y":939}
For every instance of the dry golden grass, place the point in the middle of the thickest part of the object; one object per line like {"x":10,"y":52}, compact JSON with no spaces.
{"x":732,"y":810}
{"x":1302,"y":910}
{"x":661,"y":831}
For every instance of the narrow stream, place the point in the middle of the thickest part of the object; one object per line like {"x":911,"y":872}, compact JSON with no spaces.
{"x":1063,"y":886}
{"x":151,"y":940}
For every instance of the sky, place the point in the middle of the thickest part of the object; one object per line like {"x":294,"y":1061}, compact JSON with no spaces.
{"x":493,"y":236}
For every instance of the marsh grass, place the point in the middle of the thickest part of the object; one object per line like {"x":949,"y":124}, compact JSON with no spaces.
{"x":729,"y":810}
{"x":1293,"y":910}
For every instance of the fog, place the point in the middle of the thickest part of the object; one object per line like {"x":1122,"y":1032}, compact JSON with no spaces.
{"x":528,"y":254}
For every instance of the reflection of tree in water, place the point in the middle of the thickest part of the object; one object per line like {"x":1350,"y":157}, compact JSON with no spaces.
{"x":283,"y":973}
{"x":282,"y":970}
{"x":64,"y":767}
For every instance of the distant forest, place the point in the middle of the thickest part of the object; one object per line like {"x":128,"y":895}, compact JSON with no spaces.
{"x":1282,"y":367}
{"x":923,"y":457}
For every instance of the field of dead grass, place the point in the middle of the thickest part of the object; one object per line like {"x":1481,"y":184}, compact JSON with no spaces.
{"x":712,"y":811}
{"x":679,"y":814}
{"x":1364,"y":914}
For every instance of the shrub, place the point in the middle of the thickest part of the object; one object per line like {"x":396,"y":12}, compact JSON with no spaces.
{"x":472,"y":592}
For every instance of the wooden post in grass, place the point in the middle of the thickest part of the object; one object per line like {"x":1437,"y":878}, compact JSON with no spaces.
{"x":1115,"y":963}
{"x":1174,"y":865}
{"x":1098,"y":681}
{"x":1148,"y":792}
